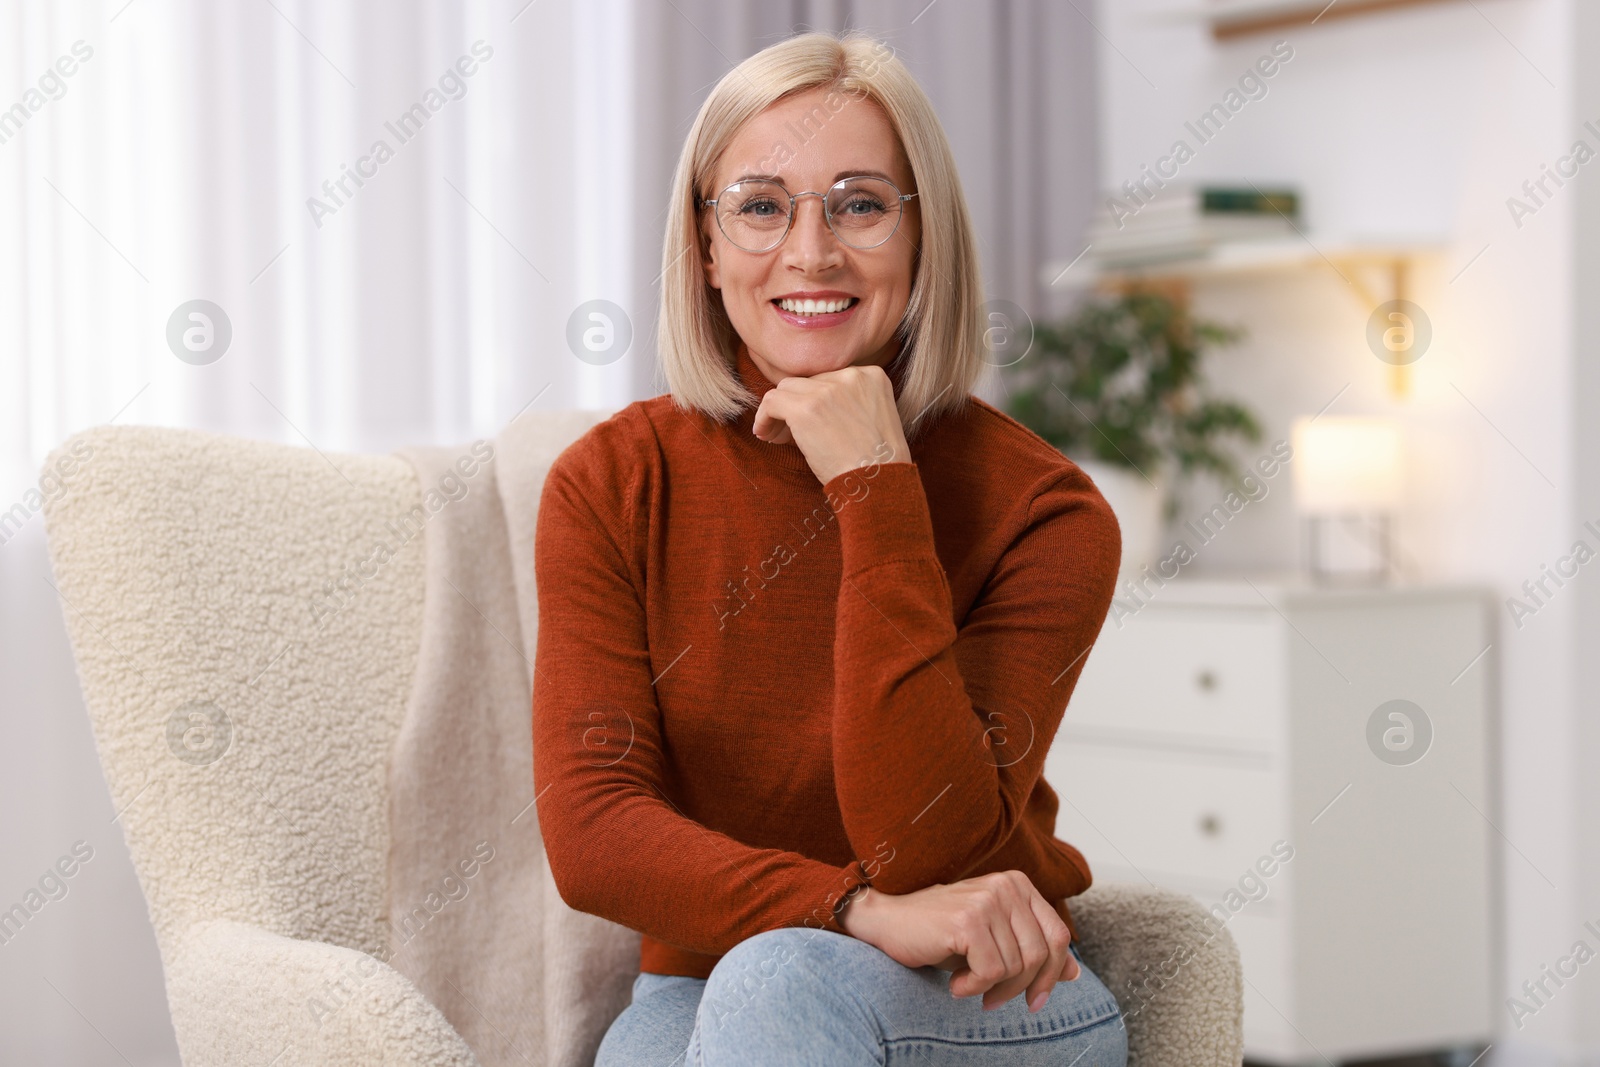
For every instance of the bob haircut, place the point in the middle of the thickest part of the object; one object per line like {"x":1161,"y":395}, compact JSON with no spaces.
{"x":940,"y":331}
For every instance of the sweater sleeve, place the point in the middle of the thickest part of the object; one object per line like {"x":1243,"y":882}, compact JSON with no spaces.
{"x":940,"y":735}
{"x":617,"y":844}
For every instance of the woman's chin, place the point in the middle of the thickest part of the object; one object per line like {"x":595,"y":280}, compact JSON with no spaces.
{"x":812,"y":354}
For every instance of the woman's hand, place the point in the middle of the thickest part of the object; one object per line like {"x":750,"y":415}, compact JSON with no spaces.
{"x":841,"y":419}
{"x":995,"y":932}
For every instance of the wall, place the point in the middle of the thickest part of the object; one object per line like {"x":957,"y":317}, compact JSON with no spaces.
{"x":1585,"y":445}
{"x":1421,"y":122}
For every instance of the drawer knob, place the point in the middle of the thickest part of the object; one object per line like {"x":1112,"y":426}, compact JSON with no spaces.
{"x":1210,"y":825}
{"x":1206,"y":680}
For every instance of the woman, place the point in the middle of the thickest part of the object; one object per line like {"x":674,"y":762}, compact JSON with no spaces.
{"x":809,"y":623}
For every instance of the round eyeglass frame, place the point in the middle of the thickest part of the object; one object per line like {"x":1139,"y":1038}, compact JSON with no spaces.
{"x":826,"y":214}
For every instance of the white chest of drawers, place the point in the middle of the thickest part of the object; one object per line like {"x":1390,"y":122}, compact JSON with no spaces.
{"x":1221,"y":725}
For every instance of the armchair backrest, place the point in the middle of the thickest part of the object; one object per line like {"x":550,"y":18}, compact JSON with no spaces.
{"x":246,"y":665}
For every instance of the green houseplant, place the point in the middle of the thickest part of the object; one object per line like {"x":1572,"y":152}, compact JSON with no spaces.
{"x":1118,"y":387}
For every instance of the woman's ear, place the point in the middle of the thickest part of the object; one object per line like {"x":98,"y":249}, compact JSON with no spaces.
{"x":708,"y":257}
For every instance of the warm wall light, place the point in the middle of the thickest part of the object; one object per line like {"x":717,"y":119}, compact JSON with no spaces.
{"x":1347,"y":485}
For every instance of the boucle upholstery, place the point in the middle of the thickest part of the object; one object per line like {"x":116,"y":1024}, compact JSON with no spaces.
{"x":246,"y":734}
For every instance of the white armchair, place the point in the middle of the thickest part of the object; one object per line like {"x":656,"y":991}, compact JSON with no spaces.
{"x":247,"y":743}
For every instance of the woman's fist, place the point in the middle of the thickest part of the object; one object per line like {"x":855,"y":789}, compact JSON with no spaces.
{"x":840,"y":419}
{"x":995,"y":932}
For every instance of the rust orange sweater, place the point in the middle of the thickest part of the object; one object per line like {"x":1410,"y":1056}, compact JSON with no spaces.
{"x":754,"y":692}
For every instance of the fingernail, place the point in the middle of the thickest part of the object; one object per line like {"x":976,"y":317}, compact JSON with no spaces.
{"x":1039,"y":1001}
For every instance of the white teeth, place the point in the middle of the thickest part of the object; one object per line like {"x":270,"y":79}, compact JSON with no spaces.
{"x":815,"y":307}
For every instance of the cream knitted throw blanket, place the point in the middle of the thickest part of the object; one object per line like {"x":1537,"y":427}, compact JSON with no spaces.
{"x":475,"y":919}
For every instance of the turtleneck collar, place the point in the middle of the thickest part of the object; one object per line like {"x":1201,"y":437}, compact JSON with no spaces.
{"x":787,"y":456}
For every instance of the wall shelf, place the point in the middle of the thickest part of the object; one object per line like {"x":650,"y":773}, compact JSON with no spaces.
{"x":1239,"y":259}
{"x":1239,"y":18}
{"x":1377,"y":270}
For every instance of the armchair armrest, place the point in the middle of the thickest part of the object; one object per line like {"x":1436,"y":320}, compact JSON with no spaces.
{"x":1174,"y":969}
{"x":242,"y":995}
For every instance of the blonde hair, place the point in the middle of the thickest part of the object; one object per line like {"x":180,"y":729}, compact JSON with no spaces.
{"x":940,"y":333}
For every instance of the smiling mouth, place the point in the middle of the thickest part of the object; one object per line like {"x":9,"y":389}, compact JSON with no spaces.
{"x":816,"y":307}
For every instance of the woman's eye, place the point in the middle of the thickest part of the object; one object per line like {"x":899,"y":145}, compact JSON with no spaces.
{"x":763,"y":208}
{"x":862,"y":206}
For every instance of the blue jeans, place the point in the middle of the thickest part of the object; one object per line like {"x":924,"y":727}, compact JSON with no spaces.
{"x":805,"y":996}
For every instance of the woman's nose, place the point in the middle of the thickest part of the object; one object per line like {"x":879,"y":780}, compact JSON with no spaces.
{"x":812,"y":243}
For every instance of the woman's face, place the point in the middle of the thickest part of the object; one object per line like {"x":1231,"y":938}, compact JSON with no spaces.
{"x":808,"y":142}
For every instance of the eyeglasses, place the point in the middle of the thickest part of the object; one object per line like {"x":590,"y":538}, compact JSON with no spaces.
{"x":756,"y":215}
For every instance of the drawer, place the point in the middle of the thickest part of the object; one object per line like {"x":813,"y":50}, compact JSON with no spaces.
{"x":1215,"y":676}
{"x":1166,"y":817}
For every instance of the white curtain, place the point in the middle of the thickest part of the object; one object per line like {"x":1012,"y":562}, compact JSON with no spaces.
{"x":178,"y":164}
{"x":427,"y":304}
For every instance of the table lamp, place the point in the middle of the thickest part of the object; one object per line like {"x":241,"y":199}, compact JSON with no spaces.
{"x":1347,"y":485}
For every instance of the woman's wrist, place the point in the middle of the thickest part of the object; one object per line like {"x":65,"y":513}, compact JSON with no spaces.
{"x":859,"y":907}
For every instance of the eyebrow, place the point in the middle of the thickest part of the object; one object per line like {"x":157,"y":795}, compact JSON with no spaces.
{"x":841,"y":176}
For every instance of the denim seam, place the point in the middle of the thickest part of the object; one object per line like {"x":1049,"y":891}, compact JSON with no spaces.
{"x":1073,"y":1029}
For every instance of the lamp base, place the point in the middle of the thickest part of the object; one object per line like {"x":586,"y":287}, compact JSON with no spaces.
{"x":1354,"y":549}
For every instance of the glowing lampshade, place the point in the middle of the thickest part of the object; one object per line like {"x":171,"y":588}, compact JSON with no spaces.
{"x":1346,"y":465}
{"x":1347,"y":484}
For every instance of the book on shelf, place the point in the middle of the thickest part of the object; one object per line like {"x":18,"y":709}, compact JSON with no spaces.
{"x":1182,"y":222}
